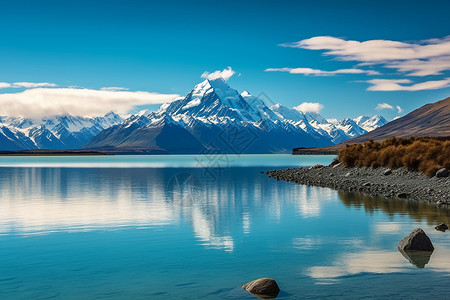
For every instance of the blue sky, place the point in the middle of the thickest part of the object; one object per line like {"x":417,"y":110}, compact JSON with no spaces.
{"x":165,"y":46}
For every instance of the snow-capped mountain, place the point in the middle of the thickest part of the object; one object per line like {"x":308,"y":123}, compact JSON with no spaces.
{"x":217,"y":117}
{"x":369,"y":124}
{"x":60,"y":132}
{"x":214,"y":118}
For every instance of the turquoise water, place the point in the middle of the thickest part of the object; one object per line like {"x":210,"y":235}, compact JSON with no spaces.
{"x":189,"y":227}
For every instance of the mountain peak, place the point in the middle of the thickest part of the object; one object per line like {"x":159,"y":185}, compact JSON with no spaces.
{"x":245,"y":94}
{"x":361,"y":119}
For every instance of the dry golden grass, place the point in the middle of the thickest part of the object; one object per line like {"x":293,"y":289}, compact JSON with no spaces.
{"x":426,"y":155}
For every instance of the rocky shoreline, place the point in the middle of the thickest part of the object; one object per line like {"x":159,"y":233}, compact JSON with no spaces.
{"x":380,"y":182}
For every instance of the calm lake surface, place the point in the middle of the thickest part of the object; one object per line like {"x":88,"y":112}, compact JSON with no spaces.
{"x":197,"y":227}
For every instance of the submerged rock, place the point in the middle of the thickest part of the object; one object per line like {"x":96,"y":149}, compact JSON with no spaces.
{"x":442,"y":173}
{"x":441,"y":227}
{"x":265,"y":288}
{"x":417,"y":240}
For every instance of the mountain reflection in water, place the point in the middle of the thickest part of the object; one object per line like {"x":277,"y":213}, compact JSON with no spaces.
{"x":171,"y":232}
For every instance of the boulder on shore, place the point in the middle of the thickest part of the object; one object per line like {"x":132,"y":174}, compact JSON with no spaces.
{"x":417,"y":240}
{"x":387,"y":172}
{"x":402,"y":195}
{"x":335,"y":162}
{"x":442,"y":173}
{"x":265,"y":288}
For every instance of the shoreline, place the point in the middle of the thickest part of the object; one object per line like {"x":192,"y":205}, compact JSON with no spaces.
{"x":52,"y":153}
{"x":380,"y":182}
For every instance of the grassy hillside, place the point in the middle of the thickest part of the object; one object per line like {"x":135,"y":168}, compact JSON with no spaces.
{"x":426,"y":155}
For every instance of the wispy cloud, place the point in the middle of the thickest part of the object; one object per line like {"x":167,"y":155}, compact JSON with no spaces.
{"x":47,"y":102}
{"x":225,"y":74}
{"x":381,"y":106}
{"x":379,"y":51}
{"x":27,"y":85}
{"x":309,"y":107}
{"x":396,"y":85}
{"x":421,"y":58}
{"x":316,"y":72}
{"x":415,"y":67}
{"x":114,"y":88}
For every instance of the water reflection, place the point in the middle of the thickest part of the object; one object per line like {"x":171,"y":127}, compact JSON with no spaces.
{"x":141,"y":230}
{"x":44,"y":200}
{"x":417,"y":258}
{"x":378,"y":261}
{"x":417,"y":211}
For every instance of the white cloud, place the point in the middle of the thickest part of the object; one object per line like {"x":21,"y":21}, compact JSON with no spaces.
{"x":113,"y":88}
{"x":428,"y":57}
{"x":309,"y":107}
{"x":28,"y":85}
{"x":395,"y":85}
{"x":375,"y":50}
{"x":316,"y":72}
{"x":381,"y":106}
{"x":43,"y":102}
{"x":225,"y":74}
{"x":415,"y":67}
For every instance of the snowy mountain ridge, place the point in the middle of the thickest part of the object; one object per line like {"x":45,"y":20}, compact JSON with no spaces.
{"x":213,"y":108}
{"x":209,"y":117}
{"x":59,"y":132}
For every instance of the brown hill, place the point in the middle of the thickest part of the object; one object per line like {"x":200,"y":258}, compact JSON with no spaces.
{"x":431,"y":120}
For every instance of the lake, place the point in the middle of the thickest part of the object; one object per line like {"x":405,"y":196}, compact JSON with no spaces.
{"x":197,"y":227}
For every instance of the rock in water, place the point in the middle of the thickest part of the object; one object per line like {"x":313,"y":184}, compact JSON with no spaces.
{"x":442,"y":173}
{"x":441,"y":227}
{"x":262,"y":288}
{"x":416,"y":240}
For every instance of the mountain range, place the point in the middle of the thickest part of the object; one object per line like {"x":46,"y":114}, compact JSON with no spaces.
{"x":432,"y":120}
{"x":212,"y":118}
{"x":57,"y":133}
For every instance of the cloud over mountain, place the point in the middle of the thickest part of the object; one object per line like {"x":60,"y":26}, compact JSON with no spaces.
{"x":45,"y":102}
{"x":381,"y":106}
{"x":309,"y":107}
{"x":225,"y":74}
